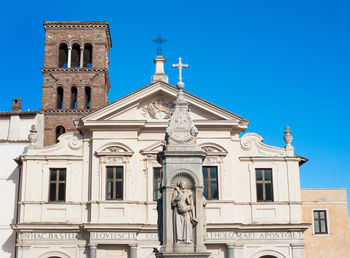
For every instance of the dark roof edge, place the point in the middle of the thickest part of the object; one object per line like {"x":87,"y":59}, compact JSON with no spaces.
{"x":21,"y":113}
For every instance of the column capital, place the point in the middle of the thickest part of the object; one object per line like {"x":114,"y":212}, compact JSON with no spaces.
{"x":133,"y":245}
{"x":238,"y":244}
{"x":93,"y":246}
{"x":69,"y":47}
{"x":297,"y":245}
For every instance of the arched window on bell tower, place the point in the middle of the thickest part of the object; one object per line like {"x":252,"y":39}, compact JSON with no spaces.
{"x":73,"y":97}
{"x":63,"y":55}
{"x":87,"y":55}
{"x":75,"y":58}
{"x":59,"y":99}
{"x":59,"y":131}
{"x":87,"y":97}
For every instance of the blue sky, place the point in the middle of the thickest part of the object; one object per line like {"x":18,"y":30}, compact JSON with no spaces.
{"x":272,"y":62}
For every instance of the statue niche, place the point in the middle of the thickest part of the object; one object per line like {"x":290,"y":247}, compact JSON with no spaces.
{"x":183,"y":213}
{"x":182,"y":205}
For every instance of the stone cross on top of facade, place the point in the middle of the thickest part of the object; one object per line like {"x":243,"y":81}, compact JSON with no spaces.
{"x":159,"y":41}
{"x":180,"y":65}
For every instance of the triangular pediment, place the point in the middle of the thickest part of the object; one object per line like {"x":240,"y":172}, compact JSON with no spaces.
{"x":153,"y":103}
{"x":154,"y":148}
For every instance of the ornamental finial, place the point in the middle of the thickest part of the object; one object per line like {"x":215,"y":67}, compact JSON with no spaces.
{"x":288,"y":138}
{"x":181,"y":129}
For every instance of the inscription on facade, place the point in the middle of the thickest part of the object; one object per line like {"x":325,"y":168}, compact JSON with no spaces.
{"x":113,"y":235}
{"x":52,"y":236}
{"x":153,"y":236}
{"x":253,"y":235}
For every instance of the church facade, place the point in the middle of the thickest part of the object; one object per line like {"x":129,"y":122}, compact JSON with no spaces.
{"x":92,"y":189}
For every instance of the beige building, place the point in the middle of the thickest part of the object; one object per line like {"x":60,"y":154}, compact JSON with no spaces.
{"x":327,"y":212}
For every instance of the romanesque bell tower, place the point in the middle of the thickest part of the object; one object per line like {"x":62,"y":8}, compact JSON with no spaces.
{"x":75,"y":73}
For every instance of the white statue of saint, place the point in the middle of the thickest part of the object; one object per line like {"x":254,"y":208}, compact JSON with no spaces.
{"x":184,"y":216}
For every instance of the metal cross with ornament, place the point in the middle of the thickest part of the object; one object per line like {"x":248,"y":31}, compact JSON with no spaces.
{"x":159,"y":41}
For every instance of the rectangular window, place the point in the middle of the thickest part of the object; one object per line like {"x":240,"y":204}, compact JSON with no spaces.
{"x":320,"y":222}
{"x":210,"y":178}
{"x":57,"y":192}
{"x":114,"y":183}
{"x":264,"y":191}
{"x":157,"y":180}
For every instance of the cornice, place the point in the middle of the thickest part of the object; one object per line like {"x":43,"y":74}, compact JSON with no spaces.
{"x":212,"y":227}
{"x":69,"y":70}
{"x":66,"y":111}
{"x":80,"y":25}
{"x":14,"y":141}
{"x":301,"y":160}
{"x":51,"y":157}
{"x":45,"y":227}
{"x":20,"y":113}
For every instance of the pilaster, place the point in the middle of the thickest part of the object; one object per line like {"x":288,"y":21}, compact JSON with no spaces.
{"x":133,"y":250}
{"x":23,"y":251}
{"x":92,"y":250}
{"x":230,"y":251}
{"x":298,"y":250}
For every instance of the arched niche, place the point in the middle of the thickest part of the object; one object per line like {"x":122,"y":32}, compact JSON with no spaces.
{"x":55,"y":254}
{"x":268,"y":254}
{"x":186,"y":175}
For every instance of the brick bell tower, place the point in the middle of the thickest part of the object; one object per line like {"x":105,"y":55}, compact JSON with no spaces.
{"x":75,"y":74}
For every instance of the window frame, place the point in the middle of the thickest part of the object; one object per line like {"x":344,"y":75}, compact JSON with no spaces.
{"x":157,"y":181}
{"x":114,"y":182}
{"x":325,"y":210}
{"x":263,"y":182}
{"x":209,"y":181}
{"x":57,"y":182}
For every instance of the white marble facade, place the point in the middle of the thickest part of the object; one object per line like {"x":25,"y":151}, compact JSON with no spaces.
{"x":14,"y":129}
{"x":128,"y":133}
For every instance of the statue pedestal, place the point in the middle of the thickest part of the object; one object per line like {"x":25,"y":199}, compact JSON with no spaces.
{"x":183,"y":226}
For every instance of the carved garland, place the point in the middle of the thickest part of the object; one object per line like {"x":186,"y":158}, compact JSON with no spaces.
{"x":115,"y":150}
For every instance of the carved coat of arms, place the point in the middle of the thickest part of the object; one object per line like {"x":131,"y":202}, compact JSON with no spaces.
{"x":158,"y":109}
